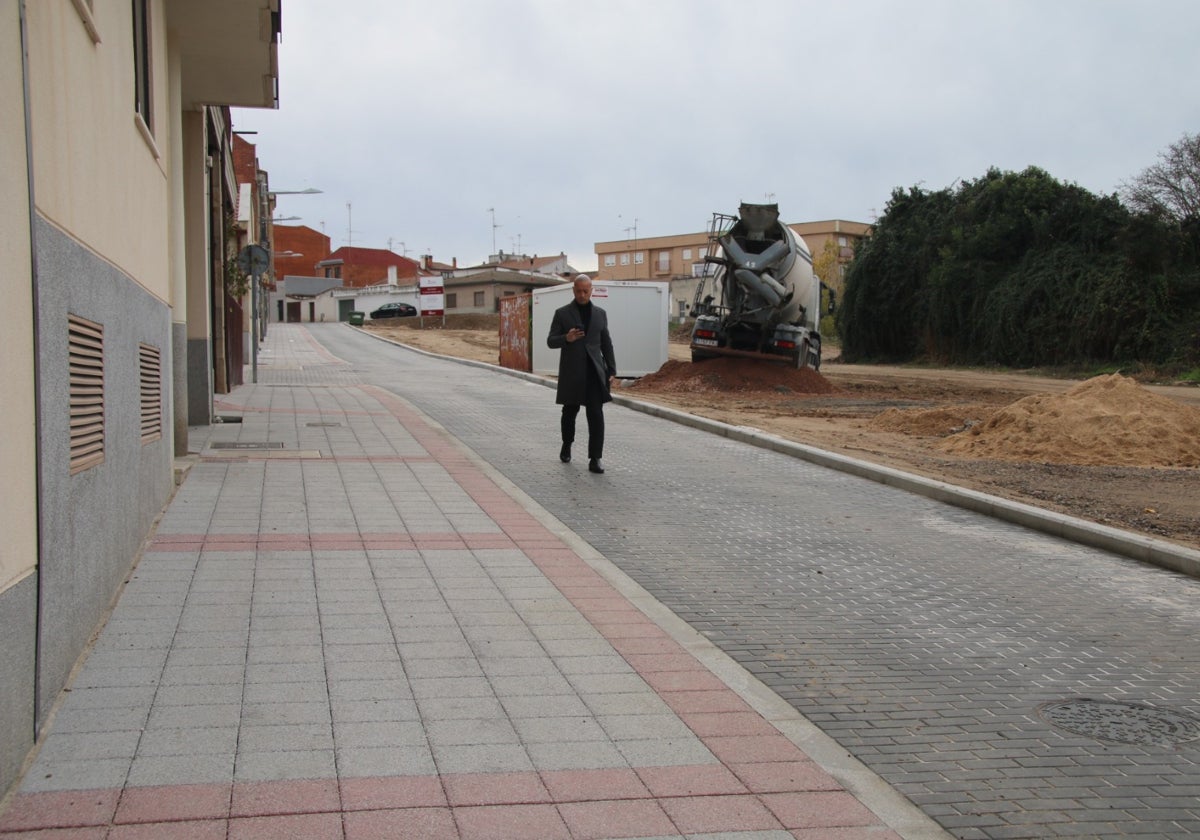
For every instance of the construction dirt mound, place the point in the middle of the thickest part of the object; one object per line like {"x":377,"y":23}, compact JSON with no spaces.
{"x":1105,"y":421}
{"x":729,"y":374}
{"x":933,"y":422}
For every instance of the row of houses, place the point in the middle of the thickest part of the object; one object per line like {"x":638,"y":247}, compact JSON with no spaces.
{"x":125,"y":210}
{"x":359,"y":279}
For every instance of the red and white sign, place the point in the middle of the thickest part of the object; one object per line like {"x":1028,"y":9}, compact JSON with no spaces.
{"x":433,"y":298}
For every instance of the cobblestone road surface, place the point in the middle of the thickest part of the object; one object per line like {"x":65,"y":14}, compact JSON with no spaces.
{"x":926,"y":639}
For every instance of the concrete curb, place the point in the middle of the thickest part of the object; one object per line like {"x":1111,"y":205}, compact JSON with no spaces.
{"x":1134,"y":546}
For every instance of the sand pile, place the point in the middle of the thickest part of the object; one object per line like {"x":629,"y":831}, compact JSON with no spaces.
{"x":729,"y":374}
{"x":1107,"y":420}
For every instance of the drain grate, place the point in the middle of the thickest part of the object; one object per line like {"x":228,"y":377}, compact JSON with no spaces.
{"x":237,"y":444}
{"x":1125,"y":723}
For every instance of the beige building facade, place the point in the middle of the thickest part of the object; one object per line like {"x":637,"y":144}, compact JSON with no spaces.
{"x":104,"y":155}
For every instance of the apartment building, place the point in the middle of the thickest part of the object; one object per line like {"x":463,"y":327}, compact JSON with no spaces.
{"x":115,"y":160}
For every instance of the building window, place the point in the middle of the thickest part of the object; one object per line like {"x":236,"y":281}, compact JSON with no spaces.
{"x":701,"y":254}
{"x":842,"y":241}
{"x":664,"y":260}
{"x":610,"y":260}
{"x":85,"y":351}
{"x":479,"y":298}
{"x":141,"y":61}
{"x":639,"y":257}
{"x":452,"y":300}
{"x":624,"y":259}
{"x":509,"y":294}
{"x":687,"y":253}
{"x":150,"y":371}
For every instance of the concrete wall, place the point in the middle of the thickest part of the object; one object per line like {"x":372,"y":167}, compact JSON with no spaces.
{"x":93,"y":522}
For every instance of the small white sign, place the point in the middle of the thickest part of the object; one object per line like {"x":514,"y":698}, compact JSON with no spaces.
{"x":432,"y":298}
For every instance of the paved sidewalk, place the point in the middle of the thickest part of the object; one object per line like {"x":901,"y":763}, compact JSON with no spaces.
{"x":369,"y":633}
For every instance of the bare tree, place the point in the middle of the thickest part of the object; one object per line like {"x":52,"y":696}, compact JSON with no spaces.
{"x":1171,"y":186}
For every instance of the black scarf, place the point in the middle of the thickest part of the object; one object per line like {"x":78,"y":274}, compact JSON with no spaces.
{"x":585,"y":314}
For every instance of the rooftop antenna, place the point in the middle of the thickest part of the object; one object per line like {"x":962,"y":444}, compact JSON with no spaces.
{"x":492,"y":210}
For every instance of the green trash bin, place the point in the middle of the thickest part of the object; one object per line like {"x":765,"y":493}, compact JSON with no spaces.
{"x":357,"y":318}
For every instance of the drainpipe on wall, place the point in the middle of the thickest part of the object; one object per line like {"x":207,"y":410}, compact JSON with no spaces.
{"x":37,"y":400}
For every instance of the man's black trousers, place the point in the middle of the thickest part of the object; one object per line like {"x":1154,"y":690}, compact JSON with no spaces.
{"x":595,"y":421}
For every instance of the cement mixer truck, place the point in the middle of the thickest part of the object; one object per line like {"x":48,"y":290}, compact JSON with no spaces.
{"x":760,"y":298}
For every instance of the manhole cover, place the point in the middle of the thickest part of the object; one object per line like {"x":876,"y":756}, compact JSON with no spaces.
{"x":225,"y":444}
{"x":1125,"y":723}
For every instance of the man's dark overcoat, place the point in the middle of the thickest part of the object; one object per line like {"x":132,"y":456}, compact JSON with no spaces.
{"x":595,"y":349}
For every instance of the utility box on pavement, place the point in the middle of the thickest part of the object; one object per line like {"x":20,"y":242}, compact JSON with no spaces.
{"x":637,"y":322}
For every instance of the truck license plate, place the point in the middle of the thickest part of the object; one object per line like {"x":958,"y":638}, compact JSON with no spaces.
{"x":705,"y":342}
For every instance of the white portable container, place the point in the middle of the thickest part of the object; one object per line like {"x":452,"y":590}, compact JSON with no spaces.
{"x":637,"y":322}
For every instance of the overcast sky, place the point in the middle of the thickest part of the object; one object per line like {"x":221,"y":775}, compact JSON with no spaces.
{"x":578,"y":122}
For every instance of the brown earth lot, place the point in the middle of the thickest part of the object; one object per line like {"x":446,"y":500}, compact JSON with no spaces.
{"x":849,"y":418}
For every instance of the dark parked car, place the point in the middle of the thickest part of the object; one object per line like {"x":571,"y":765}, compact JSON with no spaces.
{"x":394,"y":310}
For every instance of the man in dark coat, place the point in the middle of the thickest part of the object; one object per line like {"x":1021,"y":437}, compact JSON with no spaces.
{"x":586,"y":369}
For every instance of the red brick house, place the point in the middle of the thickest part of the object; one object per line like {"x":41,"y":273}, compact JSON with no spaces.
{"x":359,"y":267}
{"x":298,"y":249}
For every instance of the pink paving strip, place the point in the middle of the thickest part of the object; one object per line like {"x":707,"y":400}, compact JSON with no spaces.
{"x":496,"y":789}
{"x":177,"y":802}
{"x":392,"y":792}
{"x":589,"y":785}
{"x":617,"y":818}
{"x":71,"y":809}
{"x":834,"y":809}
{"x":711,"y":814}
{"x":258,"y":799}
{"x":292,"y":827}
{"x":704,"y":780}
{"x":189,"y":830}
{"x":708,"y":724}
{"x":493,"y":822}
{"x":423,"y":823}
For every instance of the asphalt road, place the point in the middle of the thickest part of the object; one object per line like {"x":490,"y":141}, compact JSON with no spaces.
{"x":1011,"y":684}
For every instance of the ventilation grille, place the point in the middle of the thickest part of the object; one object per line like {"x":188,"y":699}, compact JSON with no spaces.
{"x":86,"y":348}
{"x":150,"y":368}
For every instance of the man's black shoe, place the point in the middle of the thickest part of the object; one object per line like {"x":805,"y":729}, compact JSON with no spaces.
{"x":564,"y":454}
{"x":596,"y":465}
